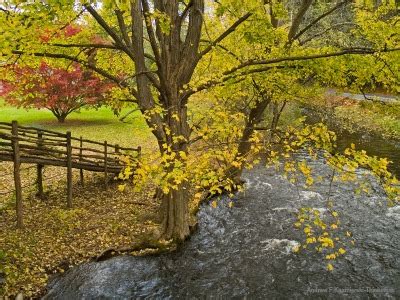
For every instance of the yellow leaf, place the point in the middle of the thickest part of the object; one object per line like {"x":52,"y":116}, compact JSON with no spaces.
{"x":230,"y":204}
{"x":121,"y":187}
{"x":182,"y":154}
{"x":329,"y":267}
{"x":214,"y":204}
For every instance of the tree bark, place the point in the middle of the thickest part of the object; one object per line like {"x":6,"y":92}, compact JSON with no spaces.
{"x":175,"y":210}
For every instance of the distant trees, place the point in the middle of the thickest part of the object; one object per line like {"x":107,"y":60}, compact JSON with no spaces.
{"x":59,"y":90}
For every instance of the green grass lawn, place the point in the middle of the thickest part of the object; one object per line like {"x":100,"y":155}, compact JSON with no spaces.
{"x":99,"y":125}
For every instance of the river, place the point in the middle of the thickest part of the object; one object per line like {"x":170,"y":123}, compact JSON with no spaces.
{"x":246,"y":251}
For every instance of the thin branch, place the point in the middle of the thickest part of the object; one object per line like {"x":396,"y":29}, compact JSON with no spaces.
{"x":119,"y":42}
{"x":122,"y":28}
{"x":151,"y":34}
{"x":97,"y":46}
{"x":315,"y":21}
{"x":185,"y":12}
{"x":301,"y":43}
{"x":69,"y":23}
{"x":225,"y":49}
{"x":231,"y":29}
{"x":128,"y":114}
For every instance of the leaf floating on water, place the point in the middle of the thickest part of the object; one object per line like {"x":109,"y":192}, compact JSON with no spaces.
{"x":230,"y":204}
{"x":214,"y":204}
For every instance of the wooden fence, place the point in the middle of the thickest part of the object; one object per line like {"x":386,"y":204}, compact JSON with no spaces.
{"x":22,"y":144}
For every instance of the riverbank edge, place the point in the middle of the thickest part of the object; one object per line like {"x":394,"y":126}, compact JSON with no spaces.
{"x":335,"y":121}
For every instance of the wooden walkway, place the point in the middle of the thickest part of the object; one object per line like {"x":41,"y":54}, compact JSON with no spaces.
{"x":22,"y":144}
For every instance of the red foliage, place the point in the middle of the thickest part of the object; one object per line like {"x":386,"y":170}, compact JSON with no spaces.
{"x":71,"y":30}
{"x":5,"y":88}
{"x":68,"y":31}
{"x":59,"y":90}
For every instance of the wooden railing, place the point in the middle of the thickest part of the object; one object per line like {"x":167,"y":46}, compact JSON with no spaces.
{"x":22,"y":144}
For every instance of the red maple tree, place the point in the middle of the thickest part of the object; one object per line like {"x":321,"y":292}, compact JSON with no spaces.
{"x":59,"y":90}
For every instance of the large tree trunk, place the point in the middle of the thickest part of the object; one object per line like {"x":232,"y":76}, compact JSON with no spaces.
{"x":175,"y":214}
{"x":176,"y":58}
{"x":175,"y":204}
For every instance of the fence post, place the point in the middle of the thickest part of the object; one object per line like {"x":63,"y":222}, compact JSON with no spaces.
{"x":80,"y":159}
{"x":17,"y":175}
{"x":69,"y":170}
{"x":105,"y":165}
{"x":39,"y":180}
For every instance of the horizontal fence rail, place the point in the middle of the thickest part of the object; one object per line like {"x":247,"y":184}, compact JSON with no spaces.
{"x":23,"y":144}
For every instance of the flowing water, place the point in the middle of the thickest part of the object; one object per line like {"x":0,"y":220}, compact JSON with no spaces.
{"x":246,"y":250}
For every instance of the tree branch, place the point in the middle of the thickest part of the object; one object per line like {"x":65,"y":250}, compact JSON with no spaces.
{"x":97,"y":46}
{"x":119,"y":42}
{"x":315,"y":21}
{"x":233,"y":73}
{"x":151,"y":34}
{"x":301,"y":43}
{"x":185,"y":12}
{"x":231,"y":29}
{"x":122,"y":28}
{"x":305,"y":6}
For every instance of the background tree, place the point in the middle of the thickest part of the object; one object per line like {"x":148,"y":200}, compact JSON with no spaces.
{"x":59,"y":90}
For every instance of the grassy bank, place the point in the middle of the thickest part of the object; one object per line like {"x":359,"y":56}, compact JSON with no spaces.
{"x":378,"y":118}
{"x":53,"y":238}
{"x":100,"y":124}
{"x":375,"y":117}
